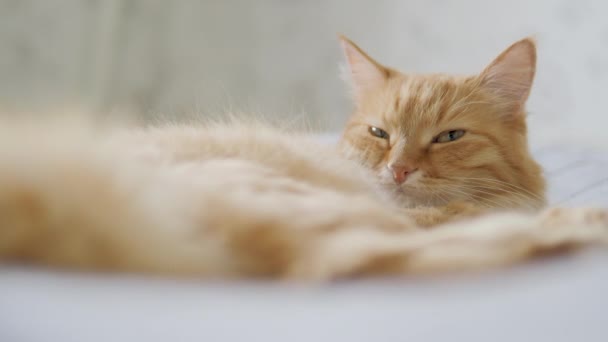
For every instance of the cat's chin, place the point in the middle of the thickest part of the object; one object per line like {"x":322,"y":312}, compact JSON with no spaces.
{"x":409,"y":197}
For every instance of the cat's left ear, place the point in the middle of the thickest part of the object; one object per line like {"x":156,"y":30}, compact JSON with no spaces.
{"x":509,"y":77}
{"x":364,"y":73}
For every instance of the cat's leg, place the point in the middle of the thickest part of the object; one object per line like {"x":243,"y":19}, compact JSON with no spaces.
{"x":269,"y":223}
{"x":485,"y":242}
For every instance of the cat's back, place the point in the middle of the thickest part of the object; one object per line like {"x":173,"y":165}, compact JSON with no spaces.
{"x":297,"y":155}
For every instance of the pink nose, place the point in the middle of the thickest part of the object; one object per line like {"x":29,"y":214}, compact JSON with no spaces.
{"x":401,"y":172}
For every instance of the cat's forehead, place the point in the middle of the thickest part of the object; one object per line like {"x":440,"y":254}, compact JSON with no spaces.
{"x":422,"y":100}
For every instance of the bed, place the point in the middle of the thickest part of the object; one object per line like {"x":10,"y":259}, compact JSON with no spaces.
{"x":558,"y":299}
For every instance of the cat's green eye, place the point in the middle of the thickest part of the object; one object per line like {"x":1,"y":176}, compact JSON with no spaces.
{"x":378,"y":132}
{"x":448,"y":136}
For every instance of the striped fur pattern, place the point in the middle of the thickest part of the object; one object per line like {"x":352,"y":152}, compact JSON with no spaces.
{"x":238,"y":201}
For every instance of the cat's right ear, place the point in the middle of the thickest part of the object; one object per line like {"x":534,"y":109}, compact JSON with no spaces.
{"x":509,"y":77}
{"x":365,"y":74}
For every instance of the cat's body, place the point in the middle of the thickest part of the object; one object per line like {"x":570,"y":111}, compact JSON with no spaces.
{"x":217,"y":200}
{"x":252,"y":201}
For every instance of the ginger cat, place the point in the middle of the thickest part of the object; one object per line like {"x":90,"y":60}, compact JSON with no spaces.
{"x":243,"y":201}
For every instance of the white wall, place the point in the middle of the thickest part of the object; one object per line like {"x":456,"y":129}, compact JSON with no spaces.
{"x":280,"y":57}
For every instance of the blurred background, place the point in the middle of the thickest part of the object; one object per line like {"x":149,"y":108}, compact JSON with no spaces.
{"x":179,"y":58}
{"x":280,"y":58}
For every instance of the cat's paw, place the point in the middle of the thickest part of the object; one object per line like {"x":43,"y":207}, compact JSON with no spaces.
{"x":314,"y":270}
{"x":575,"y":216}
{"x":352,"y":254}
{"x":325,"y":269}
{"x":322,"y":266}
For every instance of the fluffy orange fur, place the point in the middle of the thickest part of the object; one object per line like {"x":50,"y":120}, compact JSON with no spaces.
{"x":489,"y":167}
{"x":242,"y":201}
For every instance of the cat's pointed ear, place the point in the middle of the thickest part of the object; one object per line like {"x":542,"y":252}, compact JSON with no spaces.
{"x":509,"y":77}
{"x":365,"y":74}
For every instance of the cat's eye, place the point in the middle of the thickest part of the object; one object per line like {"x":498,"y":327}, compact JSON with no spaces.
{"x":448,"y":136}
{"x":378,"y":132}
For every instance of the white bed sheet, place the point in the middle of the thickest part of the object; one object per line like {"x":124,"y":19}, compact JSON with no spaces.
{"x":561,"y":299}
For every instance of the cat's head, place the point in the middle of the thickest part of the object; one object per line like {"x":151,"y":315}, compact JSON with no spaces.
{"x":432,"y":139}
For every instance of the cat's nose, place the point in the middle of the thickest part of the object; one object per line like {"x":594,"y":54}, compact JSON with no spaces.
{"x":401,"y":172}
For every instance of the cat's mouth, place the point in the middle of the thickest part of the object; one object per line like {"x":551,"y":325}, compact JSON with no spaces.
{"x":416,"y":194}
{"x":417,"y":189}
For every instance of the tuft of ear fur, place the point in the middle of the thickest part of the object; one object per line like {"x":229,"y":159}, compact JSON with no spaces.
{"x":364,"y":73}
{"x":509,"y":77}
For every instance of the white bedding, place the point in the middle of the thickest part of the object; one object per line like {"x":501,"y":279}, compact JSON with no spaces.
{"x":563,"y":299}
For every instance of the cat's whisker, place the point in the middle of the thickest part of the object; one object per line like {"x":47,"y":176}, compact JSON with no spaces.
{"x":517,"y":198}
{"x":496,"y":181}
{"x":503,"y":183}
{"x":459,"y":193}
{"x":516,"y":203}
{"x":438,"y":194}
{"x":502,"y":187}
{"x":478,"y":198}
{"x":514,"y":199}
